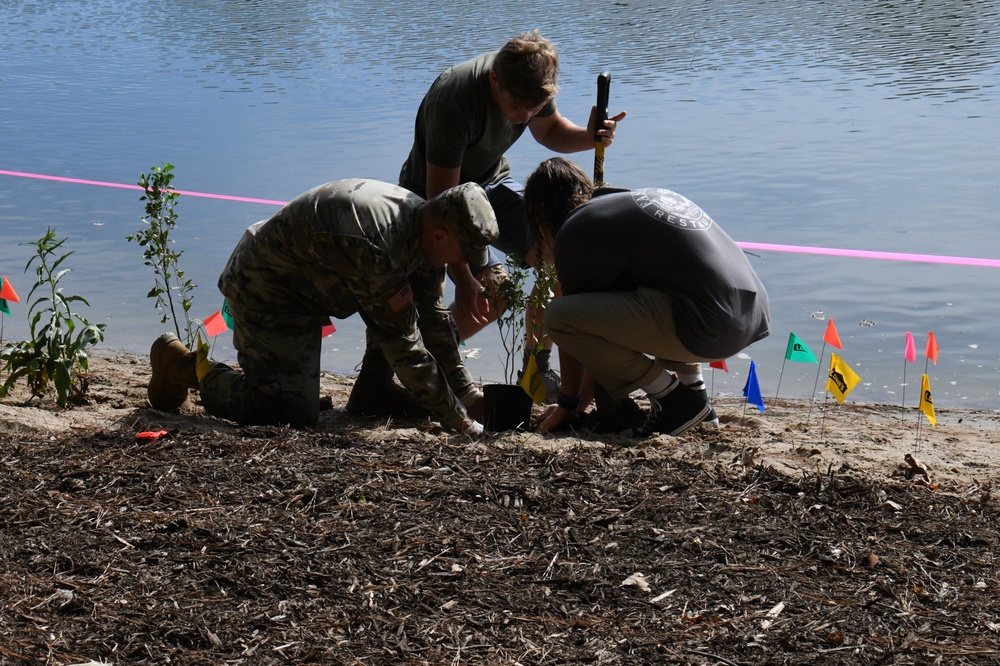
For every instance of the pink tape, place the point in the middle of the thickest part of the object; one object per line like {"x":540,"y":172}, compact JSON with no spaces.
{"x":768,"y":247}
{"x":871,"y":254}
{"x":80,"y":181}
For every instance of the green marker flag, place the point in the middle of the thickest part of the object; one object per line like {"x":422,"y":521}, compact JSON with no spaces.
{"x":227,"y":316}
{"x":4,"y":308}
{"x":799,"y":351}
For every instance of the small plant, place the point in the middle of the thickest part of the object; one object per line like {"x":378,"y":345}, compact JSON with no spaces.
{"x":57,"y":350}
{"x":170,"y":288}
{"x":515,"y":302}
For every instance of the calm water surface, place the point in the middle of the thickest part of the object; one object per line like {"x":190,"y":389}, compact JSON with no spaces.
{"x":854,"y":124}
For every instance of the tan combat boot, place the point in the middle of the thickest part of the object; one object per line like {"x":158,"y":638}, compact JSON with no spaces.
{"x":173,"y":374}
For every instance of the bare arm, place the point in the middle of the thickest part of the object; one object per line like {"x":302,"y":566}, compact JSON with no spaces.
{"x":440,"y":179}
{"x":573,"y":378}
{"x":558,"y":133}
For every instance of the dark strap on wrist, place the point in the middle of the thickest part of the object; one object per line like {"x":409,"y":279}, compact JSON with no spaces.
{"x":567,"y":402}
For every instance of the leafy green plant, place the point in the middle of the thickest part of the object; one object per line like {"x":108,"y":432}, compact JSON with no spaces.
{"x":517,"y":297}
{"x":170,"y":288}
{"x":57,"y":350}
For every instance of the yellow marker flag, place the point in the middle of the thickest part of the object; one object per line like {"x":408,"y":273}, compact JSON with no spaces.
{"x":532,"y":382}
{"x":202,"y":366}
{"x":926,"y":404}
{"x":842,"y":378}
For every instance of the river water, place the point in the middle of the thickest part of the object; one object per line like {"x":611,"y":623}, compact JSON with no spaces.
{"x":852,"y":125}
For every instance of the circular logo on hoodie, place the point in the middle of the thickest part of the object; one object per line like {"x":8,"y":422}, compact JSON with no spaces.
{"x":671,"y":208}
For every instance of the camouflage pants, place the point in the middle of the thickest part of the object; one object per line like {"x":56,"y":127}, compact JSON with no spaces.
{"x":278,"y":383}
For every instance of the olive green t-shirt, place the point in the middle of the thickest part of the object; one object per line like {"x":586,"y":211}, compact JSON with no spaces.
{"x":459,"y":124}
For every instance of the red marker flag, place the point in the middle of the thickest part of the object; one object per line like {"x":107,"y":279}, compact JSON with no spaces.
{"x":328,"y":328}
{"x":215,"y":324}
{"x":7,"y":291}
{"x":721,"y":365}
{"x":911,"y":350}
{"x":831,"y":336}
{"x":932,"y":348}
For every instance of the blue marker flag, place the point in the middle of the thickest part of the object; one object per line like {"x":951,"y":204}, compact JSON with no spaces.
{"x":752,"y":389}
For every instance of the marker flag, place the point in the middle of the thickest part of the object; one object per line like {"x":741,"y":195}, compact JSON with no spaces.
{"x":799,"y":351}
{"x":842,"y":378}
{"x":7,"y":291}
{"x":831,"y":335}
{"x":201,"y":366}
{"x":911,"y":350}
{"x":721,"y":365}
{"x":752,"y":389}
{"x":532,"y":382}
{"x":4,"y":308}
{"x":932,"y":348}
{"x":328,"y":328}
{"x":227,"y":316}
{"x":215,"y":324}
{"x":926,"y":404}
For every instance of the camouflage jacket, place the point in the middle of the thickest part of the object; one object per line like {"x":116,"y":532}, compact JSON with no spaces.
{"x":353,"y":246}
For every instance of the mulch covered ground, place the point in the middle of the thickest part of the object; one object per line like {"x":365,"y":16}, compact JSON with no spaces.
{"x":272,"y":546}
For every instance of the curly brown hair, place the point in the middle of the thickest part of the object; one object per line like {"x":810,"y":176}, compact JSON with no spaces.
{"x":527,"y":67}
{"x":553,"y":189}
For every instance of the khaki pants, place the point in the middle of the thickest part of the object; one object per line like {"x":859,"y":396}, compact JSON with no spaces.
{"x":625,"y":338}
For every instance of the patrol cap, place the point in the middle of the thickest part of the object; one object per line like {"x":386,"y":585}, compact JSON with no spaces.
{"x":469,"y":214}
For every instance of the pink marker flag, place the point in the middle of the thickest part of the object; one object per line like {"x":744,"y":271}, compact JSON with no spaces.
{"x":329,"y":329}
{"x":932,"y":347}
{"x":215,"y":324}
{"x":7,"y":291}
{"x":721,"y":365}
{"x":831,"y":335}
{"x":911,"y":349}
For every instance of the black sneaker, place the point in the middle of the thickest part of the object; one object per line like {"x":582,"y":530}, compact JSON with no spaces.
{"x":712,"y":418}
{"x":699,"y":386}
{"x":679,"y":410}
{"x":609,"y":416}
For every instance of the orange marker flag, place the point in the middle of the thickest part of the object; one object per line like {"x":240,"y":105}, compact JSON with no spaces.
{"x":721,"y":365}
{"x":932,"y":347}
{"x":926,"y":404}
{"x":831,"y":335}
{"x":215,"y":324}
{"x":7,"y":291}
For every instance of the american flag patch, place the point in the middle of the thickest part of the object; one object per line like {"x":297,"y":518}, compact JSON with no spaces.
{"x":401,"y":299}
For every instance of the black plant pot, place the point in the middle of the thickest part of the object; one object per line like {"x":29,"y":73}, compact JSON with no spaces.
{"x":505,"y":407}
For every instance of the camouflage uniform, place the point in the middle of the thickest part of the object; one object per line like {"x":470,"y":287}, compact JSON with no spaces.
{"x":346,"y":247}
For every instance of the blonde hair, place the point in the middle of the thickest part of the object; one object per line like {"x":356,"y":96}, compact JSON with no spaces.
{"x":527,"y":67}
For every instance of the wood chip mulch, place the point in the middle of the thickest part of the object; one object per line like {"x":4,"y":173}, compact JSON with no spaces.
{"x":273,"y":546}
